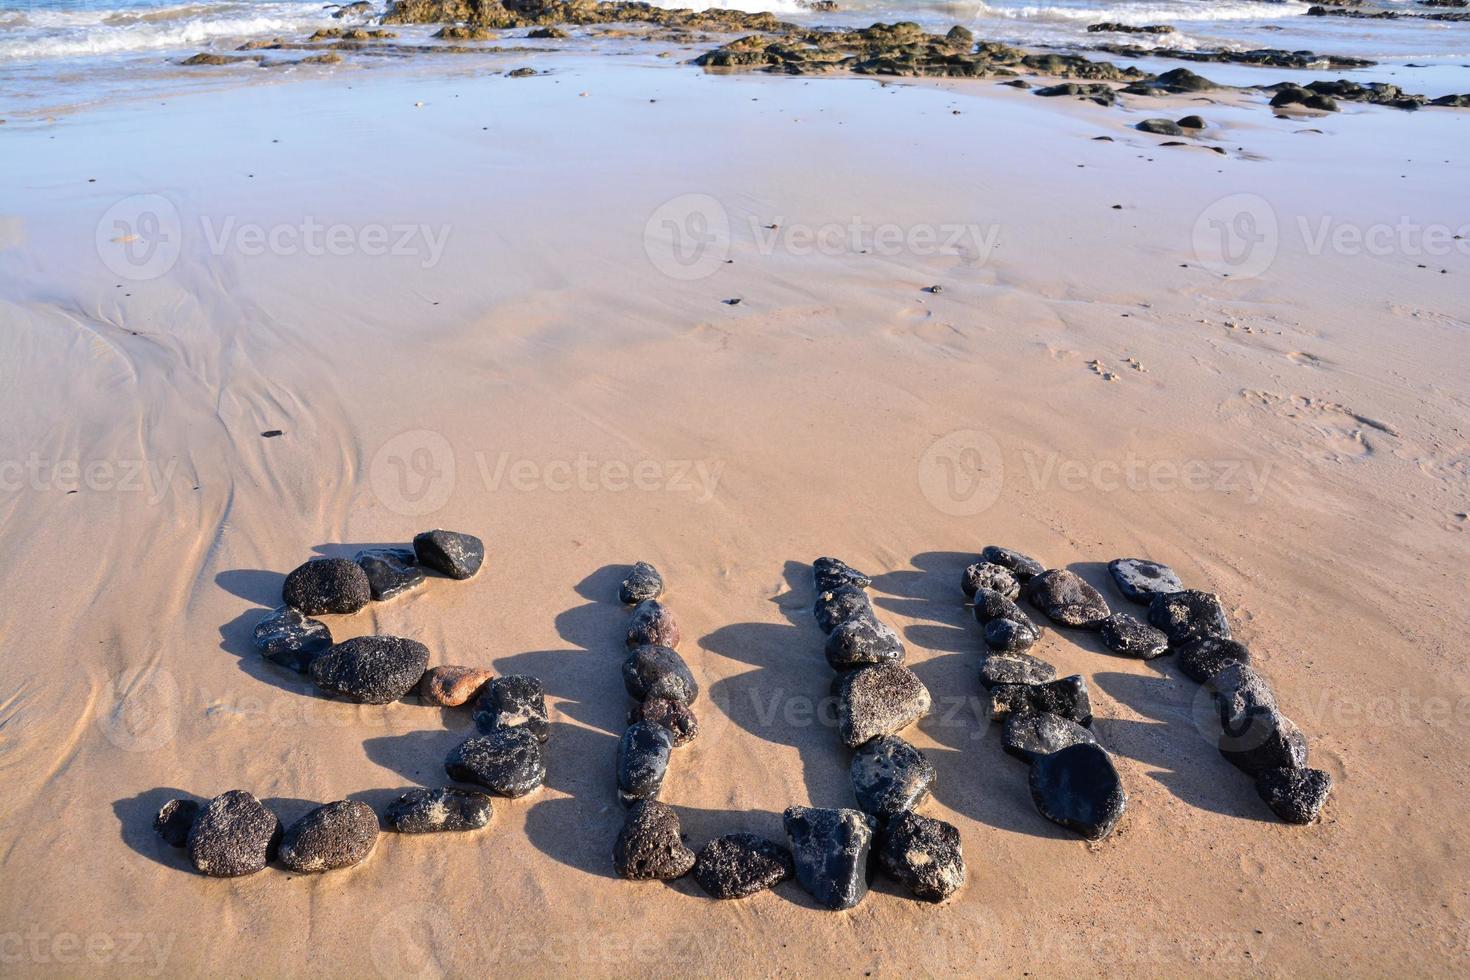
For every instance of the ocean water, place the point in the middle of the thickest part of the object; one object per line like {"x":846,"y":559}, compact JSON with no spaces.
{"x":90,"y":48}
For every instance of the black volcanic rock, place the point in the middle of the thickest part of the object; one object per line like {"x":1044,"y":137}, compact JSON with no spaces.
{"x":924,"y":855}
{"x":833,"y":573}
{"x":1189,"y":615}
{"x":428,"y":811}
{"x":449,"y":552}
{"x":1023,"y":567}
{"x":371,"y":669}
{"x":390,"y":571}
{"x":1160,"y":127}
{"x":1079,"y":788}
{"x":513,"y":701}
{"x":862,"y":641}
{"x":1204,"y":658}
{"x":836,"y":606}
{"x":879,"y":700}
{"x":1294,"y":795}
{"x":1014,"y":668}
{"x":830,"y":850}
{"x":287,"y":637}
{"x":653,"y":624}
{"x":337,"y":835}
{"x":1255,"y":735}
{"x":739,"y":865}
{"x":643,"y":760}
{"x":643,"y":583}
{"x":1007,"y":628}
{"x":1029,"y":735}
{"x":678,"y":718}
{"x":507,"y":762}
{"x":1066,"y":697}
{"x":650,"y":845}
{"x":1140,"y":579}
{"x":174,"y":819}
{"x":658,"y":672}
{"x":1067,"y":600}
{"x":988,"y":575}
{"x":1129,"y":636}
{"x":327,"y":585}
{"x":890,"y":776}
{"x":233,"y":835}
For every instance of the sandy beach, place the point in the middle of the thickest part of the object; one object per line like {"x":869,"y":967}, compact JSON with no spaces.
{"x":504,"y":306}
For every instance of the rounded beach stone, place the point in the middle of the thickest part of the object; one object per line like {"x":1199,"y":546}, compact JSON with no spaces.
{"x":879,"y":700}
{"x":429,"y":811}
{"x":327,"y":585}
{"x":337,"y":835}
{"x":233,"y":835}
{"x":1029,"y":735}
{"x":1067,"y":697}
{"x":1160,"y":127}
{"x":862,"y":641}
{"x":739,"y":865}
{"x":1014,"y":668}
{"x":450,"y":687}
{"x":988,"y":575}
{"x":288,"y":637}
{"x":833,"y":573}
{"x":514,"y":701}
{"x":1204,"y":658}
{"x":1294,"y":795}
{"x":1129,"y":636}
{"x":650,"y":845}
{"x":1140,"y":579}
{"x":683,"y":726}
{"x":1067,"y":600}
{"x":890,"y":776}
{"x":1010,"y":635}
{"x":653,"y":624}
{"x":390,"y":571}
{"x":508,"y":762}
{"x":836,"y":606}
{"x":1189,"y":615}
{"x":174,"y":819}
{"x":1079,"y":788}
{"x":1240,"y":691}
{"x":830,"y":851}
{"x":924,"y":855}
{"x":658,"y":672}
{"x":1023,"y":567}
{"x":643,"y":760}
{"x":1264,"y":740}
{"x":449,"y":552}
{"x":643,"y":583}
{"x":371,"y":669}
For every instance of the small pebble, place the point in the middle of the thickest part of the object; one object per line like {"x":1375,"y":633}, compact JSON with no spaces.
{"x":836,"y":606}
{"x":233,"y":835}
{"x":1067,"y":600}
{"x":879,"y":700}
{"x":830,"y":851}
{"x":371,"y":669}
{"x":643,"y":761}
{"x":833,"y":573}
{"x":658,"y":672}
{"x":1029,"y":735}
{"x":1066,"y":697}
{"x":287,"y":637}
{"x":1129,"y":636}
{"x":890,"y":776}
{"x":514,"y":701}
{"x":1079,"y":788}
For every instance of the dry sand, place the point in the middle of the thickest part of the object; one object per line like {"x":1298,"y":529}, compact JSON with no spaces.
{"x":1295,"y":441}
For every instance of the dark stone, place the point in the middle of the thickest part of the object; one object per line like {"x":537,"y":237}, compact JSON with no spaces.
{"x":1015,"y":668}
{"x":507,"y":762}
{"x":739,"y":865}
{"x":1023,"y":567}
{"x":988,"y":575}
{"x":1140,"y":579}
{"x":550,"y":32}
{"x":233,"y":835}
{"x":1204,"y":658}
{"x":1176,"y":81}
{"x":289,"y":638}
{"x":389,"y":573}
{"x":879,"y":700}
{"x":650,"y":845}
{"x":924,"y":855}
{"x":449,"y":552}
{"x":890,"y":776}
{"x":327,"y":585}
{"x":836,"y":606}
{"x":513,"y":701}
{"x":1066,"y":697}
{"x":1190,"y":122}
{"x":1099,"y":92}
{"x":334,"y":836}
{"x":1078,"y":788}
{"x":1128,"y":636}
{"x":658,"y":672}
{"x":1160,"y":127}
{"x":174,"y":819}
{"x":371,"y":669}
{"x":830,"y":851}
{"x":833,"y":573}
{"x":1189,"y":615}
{"x":1067,"y":600}
{"x":428,"y":811}
{"x":1294,"y":795}
{"x":863,"y":641}
{"x":1010,"y":635}
{"x":683,"y":726}
{"x":653,"y":624}
{"x":643,"y":760}
{"x":1254,"y":735}
{"x":1031,"y":734}
{"x":643,"y":583}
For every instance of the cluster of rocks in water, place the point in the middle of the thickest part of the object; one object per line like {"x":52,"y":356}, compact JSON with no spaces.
{"x":235,"y":834}
{"x":1047,"y":720}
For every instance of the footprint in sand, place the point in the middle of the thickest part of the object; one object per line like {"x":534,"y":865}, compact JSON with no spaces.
{"x":1304,"y":359}
{"x":1101,"y":371}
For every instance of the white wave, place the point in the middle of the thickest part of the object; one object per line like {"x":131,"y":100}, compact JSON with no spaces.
{"x":48,"y":34}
